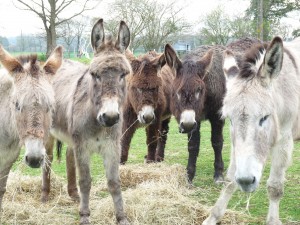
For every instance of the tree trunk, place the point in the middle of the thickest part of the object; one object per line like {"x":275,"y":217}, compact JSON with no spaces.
{"x":51,"y":32}
{"x":261,"y":20}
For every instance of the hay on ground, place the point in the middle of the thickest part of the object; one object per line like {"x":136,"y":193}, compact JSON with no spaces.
{"x":153,"y":194}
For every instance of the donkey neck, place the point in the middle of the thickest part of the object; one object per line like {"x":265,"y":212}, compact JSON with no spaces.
{"x":8,"y":125}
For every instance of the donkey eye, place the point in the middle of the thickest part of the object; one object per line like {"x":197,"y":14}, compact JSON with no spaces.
{"x":139,"y":90}
{"x":178,"y":95}
{"x":17,"y":106}
{"x":96,"y":75}
{"x":122,"y":76}
{"x":197,"y":93}
{"x":262,"y":120}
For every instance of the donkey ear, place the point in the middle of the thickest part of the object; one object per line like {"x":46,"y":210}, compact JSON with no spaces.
{"x":54,"y":61}
{"x":123,"y":37}
{"x":10,"y":63}
{"x":230,"y":67}
{"x":129,"y":55}
{"x":97,"y":36}
{"x":273,"y":59}
{"x":135,"y":65}
{"x":160,"y":61}
{"x":171,"y":58}
{"x":204,"y":63}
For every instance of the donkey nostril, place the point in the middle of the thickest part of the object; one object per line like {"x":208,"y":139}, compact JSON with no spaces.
{"x":245,"y":181}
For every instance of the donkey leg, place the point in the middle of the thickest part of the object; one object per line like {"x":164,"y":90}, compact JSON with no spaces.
{"x":83,"y":165}
{"x":111,"y":164}
{"x":3,"y":180}
{"x":71,"y":174}
{"x":152,"y":137}
{"x":193,"y":148}
{"x":160,"y":150}
{"x":47,"y":170}
{"x":128,"y":129}
{"x":218,"y":210}
{"x":281,"y":158}
{"x":217,"y":144}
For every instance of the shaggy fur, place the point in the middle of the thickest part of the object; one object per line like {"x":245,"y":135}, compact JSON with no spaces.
{"x":89,"y":116}
{"x":148,"y":86}
{"x":27,"y":104}
{"x":199,"y":87}
{"x":262,"y":103}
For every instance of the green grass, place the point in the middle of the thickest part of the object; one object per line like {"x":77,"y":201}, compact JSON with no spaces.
{"x":176,"y":152}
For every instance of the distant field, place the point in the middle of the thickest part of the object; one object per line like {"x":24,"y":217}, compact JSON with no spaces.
{"x":206,"y":192}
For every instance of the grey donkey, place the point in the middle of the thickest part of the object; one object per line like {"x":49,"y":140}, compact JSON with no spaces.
{"x":89,"y":116}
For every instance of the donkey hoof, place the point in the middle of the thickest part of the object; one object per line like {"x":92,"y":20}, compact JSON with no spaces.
{"x":159,"y":159}
{"x":84,"y":220}
{"x":274,"y":222}
{"x":44,"y":198}
{"x":219,"y":180}
{"x":146,"y":160}
{"x":74,"y":195}
{"x":123,"y":222}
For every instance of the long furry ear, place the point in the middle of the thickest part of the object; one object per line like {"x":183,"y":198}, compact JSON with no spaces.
{"x":159,"y":61}
{"x":123,"y":37}
{"x":97,"y":35}
{"x":10,"y":63}
{"x":171,"y":58}
{"x":273,"y":60}
{"x":135,"y":65}
{"x":54,"y":61}
{"x":230,"y":66}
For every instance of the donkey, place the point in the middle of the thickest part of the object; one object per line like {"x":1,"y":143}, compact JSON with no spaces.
{"x":197,"y":94}
{"x":89,"y":116}
{"x":147,"y":101}
{"x":27,"y":104}
{"x":262,"y":103}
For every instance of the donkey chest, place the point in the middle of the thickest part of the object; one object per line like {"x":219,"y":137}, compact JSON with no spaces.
{"x":100,"y":143}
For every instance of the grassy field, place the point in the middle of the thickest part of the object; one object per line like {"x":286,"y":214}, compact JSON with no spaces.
{"x":255,"y":205}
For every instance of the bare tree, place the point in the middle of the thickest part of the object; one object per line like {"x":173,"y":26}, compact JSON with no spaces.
{"x":151,"y":22}
{"x":67,"y":33}
{"x":82,"y":26}
{"x":50,"y":13}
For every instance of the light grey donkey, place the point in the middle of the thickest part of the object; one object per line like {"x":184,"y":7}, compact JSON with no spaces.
{"x":262,"y":104}
{"x":27,"y":105}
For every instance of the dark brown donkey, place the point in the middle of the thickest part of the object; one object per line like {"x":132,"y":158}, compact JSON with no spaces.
{"x":147,"y":104}
{"x":88,"y":113}
{"x":197,"y":94}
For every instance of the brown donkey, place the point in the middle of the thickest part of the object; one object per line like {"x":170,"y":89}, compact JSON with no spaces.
{"x":147,"y":104}
{"x":89,"y":116}
{"x":197,"y":94}
{"x":27,"y":104}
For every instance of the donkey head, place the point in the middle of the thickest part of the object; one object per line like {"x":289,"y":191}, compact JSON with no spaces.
{"x":145,"y":86}
{"x":188,"y":90}
{"x":108,"y":70}
{"x":251,"y":107}
{"x":32,"y":100}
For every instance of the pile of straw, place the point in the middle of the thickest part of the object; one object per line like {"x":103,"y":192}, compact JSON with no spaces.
{"x":153,"y":194}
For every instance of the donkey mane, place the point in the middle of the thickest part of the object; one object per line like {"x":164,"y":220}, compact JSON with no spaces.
{"x":148,"y":80}
{"x":189,"y":68}
{"x":32,"y":62}
{"x":252,"y":58}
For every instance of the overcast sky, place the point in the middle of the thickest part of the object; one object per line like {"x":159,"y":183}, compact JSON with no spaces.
{"x":13,"y":20}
